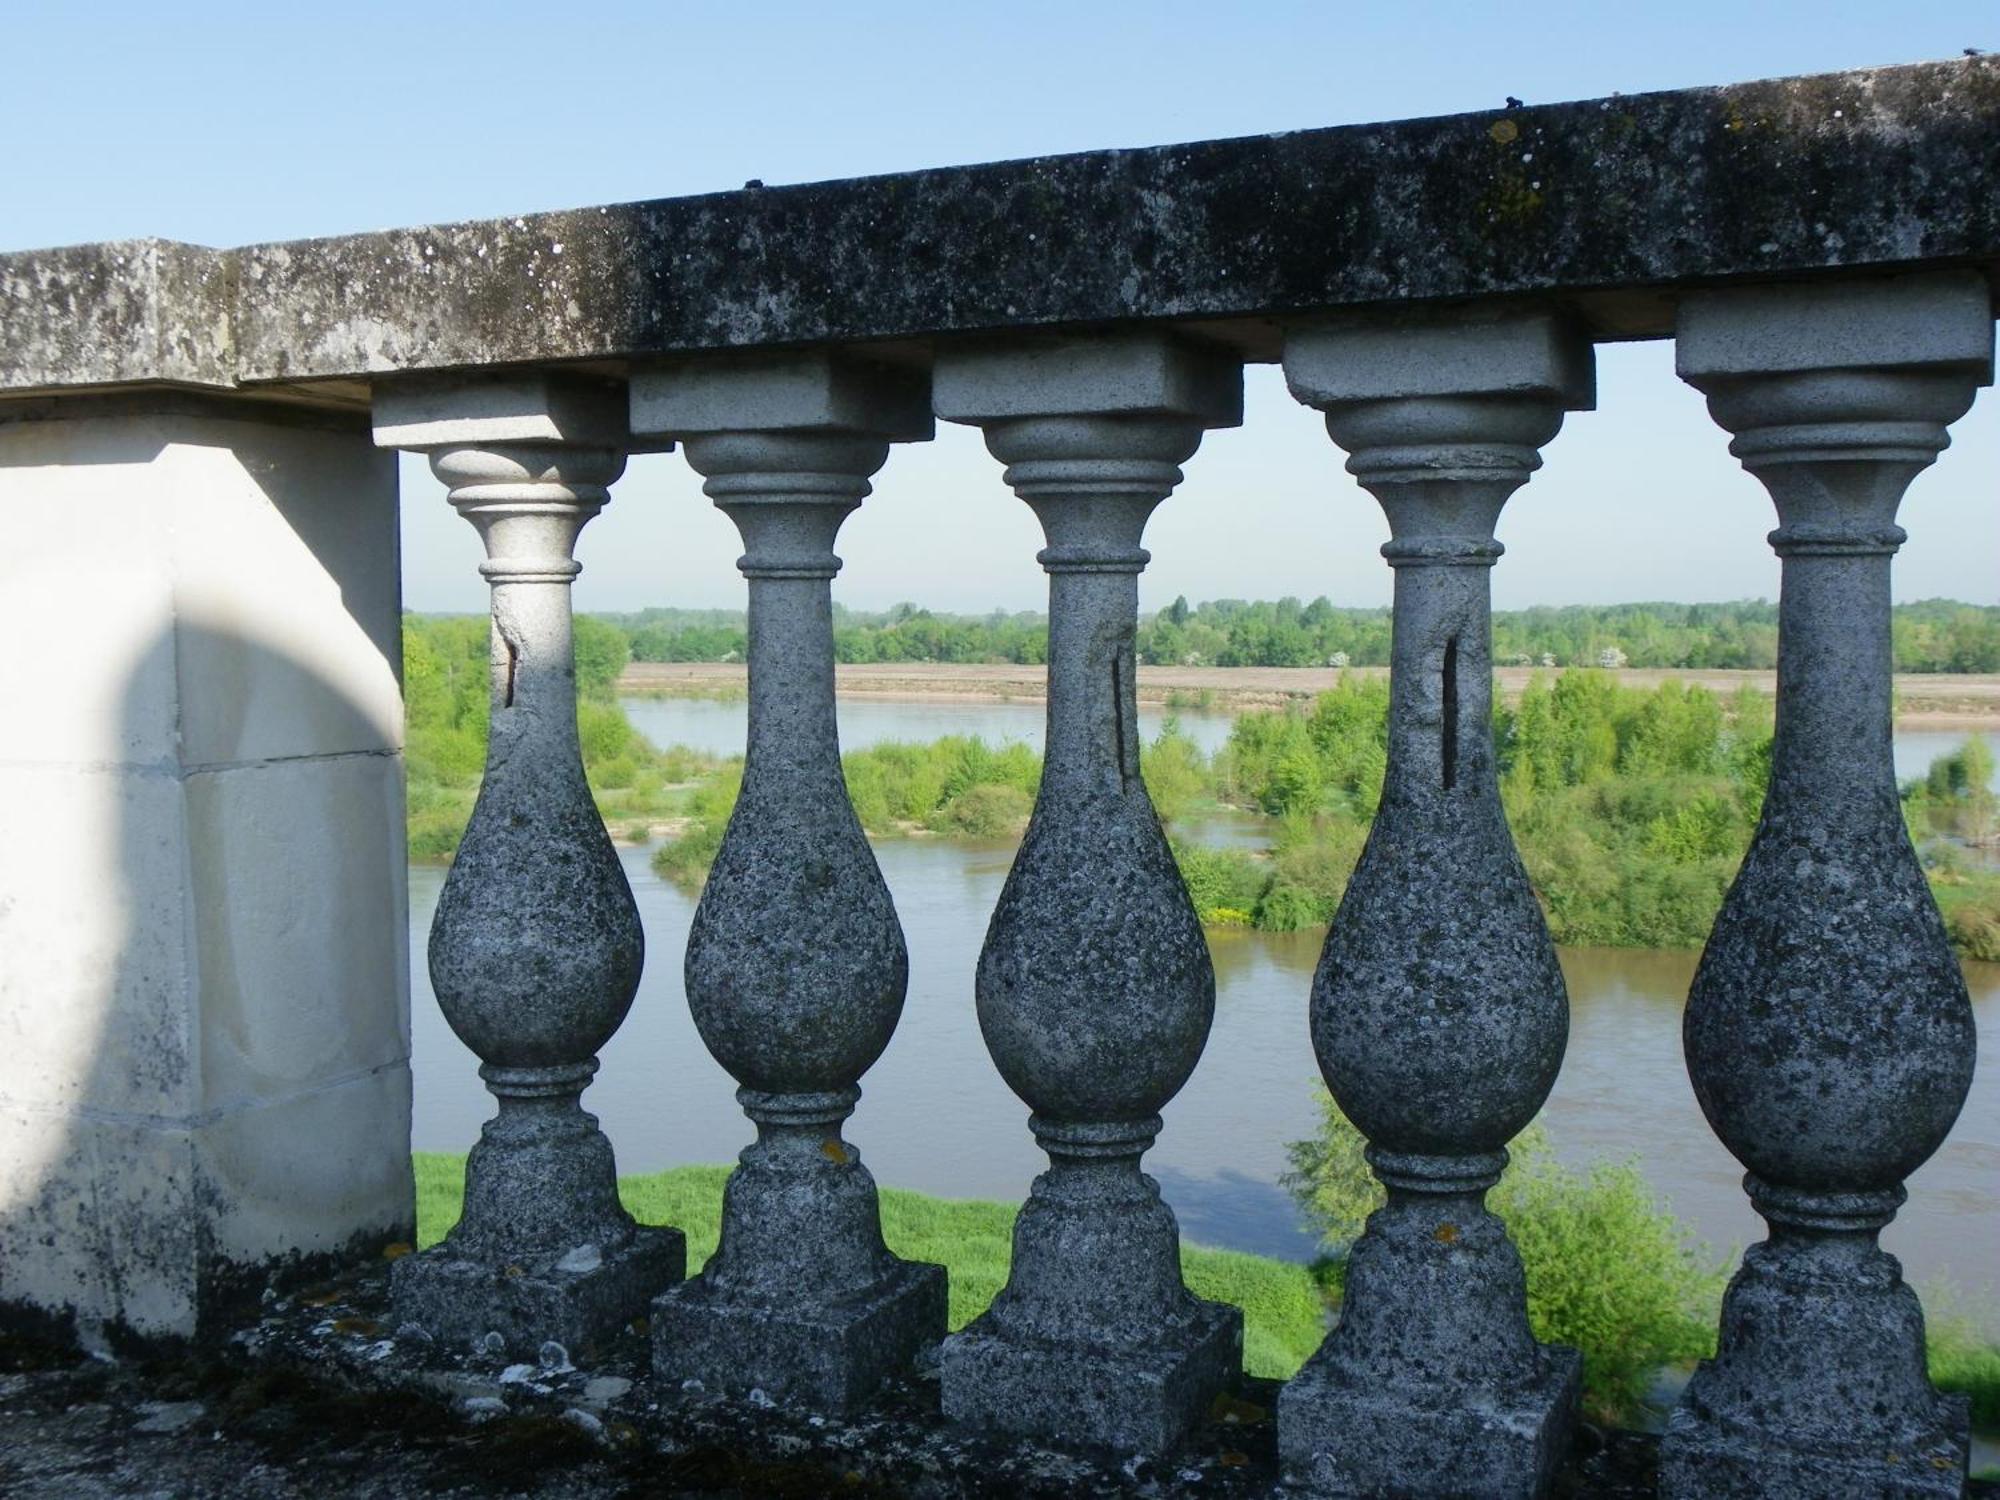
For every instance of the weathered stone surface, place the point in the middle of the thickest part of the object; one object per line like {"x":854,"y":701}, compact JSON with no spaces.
{"x":1340,"y":1432}
{"x":319,"y":1389}
{"x":796,"y":966}
{"x":1439,"y":1014}
{"x":800,"y":1347}
{"x":1094,"y":987}
{"x":536,"y":947}
{"x":1828,"y":1032}
{"x":462,"y":1292}
{"x":1108,"y":1395}
{"x":1877,"y":168}
{"x":118,"y":313}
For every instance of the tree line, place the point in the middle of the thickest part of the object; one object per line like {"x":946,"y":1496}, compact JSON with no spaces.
{"x":1932,"y":635}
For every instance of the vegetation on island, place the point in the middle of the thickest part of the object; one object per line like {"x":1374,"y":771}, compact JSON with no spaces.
{"x":1631,"y":807}
{"x":1934,"y":635}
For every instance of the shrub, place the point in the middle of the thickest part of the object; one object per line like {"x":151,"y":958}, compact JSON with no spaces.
{"x":615,"y":775}
{"x":990,"y":811}
{"x":1610,"y":1272}
{"x":1175,"y":771}
{"x":685,"y":859}
{"x":604,"y":732}
{"x":1974,"y":926}
{"x":1220,"y":880}
{"x":1291,"y":908}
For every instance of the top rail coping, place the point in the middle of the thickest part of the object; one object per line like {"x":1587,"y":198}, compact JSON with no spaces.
{"x":1607,"y":205}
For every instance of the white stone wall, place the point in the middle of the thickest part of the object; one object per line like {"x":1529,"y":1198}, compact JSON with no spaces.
{"x":204,"y":1012}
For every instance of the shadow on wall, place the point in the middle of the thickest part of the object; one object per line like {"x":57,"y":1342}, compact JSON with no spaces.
{"x":204,"y":1027}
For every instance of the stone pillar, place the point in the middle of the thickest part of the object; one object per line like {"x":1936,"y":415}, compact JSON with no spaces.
{"x":1828,"y":1032}
{"x":1438,"y":1012}
{"x":204,"y":999}
{"x":1095,"y":991}
{"x":536,"y":948}
{"x":795,"y":966}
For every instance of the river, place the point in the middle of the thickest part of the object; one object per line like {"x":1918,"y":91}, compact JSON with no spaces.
{"x":936,"y":1117}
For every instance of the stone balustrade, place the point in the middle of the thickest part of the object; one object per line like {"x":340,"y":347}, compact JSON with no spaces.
{"x":206,"y":1089}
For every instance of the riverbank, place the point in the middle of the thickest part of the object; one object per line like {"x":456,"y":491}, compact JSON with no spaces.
{"x":1924,"y":700}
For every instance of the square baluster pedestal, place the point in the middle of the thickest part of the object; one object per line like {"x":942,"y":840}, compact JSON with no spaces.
{"x":830,"y":1357}
{"x":1128,"y":1400}
{"x":1336,"y":1439}
{"x":583,"y":1299}
{"x":1718,"y":1461}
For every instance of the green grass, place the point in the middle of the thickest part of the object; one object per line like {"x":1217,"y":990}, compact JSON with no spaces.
{"x":1283,"y":1311}
{"x":1963,"y":1360}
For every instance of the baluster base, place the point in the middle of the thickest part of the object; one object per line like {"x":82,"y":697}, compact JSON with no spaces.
{"x":831,"y":1356}
{"x":1144,"y":1399}
{"x":1341,"y":1437}
{"x":1818,"y":1387}
{"x":1432,"y":1383}
{"x":580,"y":1299}
{"x":1710,"y":1461}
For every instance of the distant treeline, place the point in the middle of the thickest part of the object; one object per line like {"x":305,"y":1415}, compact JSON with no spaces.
{"x":1934,"y":635}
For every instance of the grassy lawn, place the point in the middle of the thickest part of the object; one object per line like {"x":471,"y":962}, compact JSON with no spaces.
{"x":1283,"y":1312}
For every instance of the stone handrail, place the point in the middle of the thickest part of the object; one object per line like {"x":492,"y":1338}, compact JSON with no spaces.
{"x":1612,"y":203}
{"x":1820,"y":249}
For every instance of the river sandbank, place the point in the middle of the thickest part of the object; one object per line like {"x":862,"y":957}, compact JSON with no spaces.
{"x":1945,"y":701}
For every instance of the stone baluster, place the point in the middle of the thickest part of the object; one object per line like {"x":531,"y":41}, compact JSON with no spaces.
{"x":795,"y":966}
{"x":1439,"y":1015}
{"x":536,"y":948}
{"x":1095,"y":991}
{"x":1828,"y":1031}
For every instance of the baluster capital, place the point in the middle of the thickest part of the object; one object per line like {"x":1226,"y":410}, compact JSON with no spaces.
{"x":1837,"y":396}
{"x":527,"y":459}
{"x":785,"y":443}
{"x":1092,"y":431}
{"x":1442,"y":419}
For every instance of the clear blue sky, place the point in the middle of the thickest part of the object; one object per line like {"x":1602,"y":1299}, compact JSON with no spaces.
{"x":224,"y":124}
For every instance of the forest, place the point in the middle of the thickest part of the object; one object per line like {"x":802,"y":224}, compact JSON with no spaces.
{"x":1934,"y":635}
